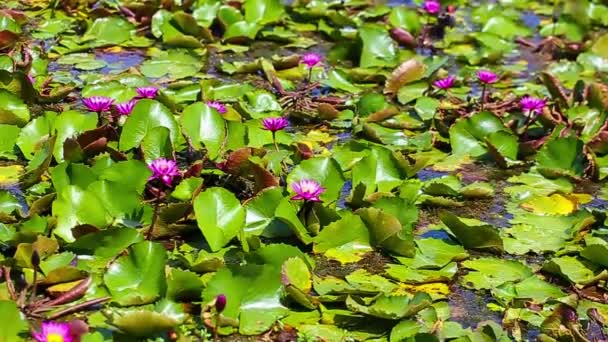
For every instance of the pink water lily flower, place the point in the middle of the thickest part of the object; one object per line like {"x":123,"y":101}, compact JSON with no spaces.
{"x":98,"y":103}
{"x":275,"y":124}
{"x":147,"y":92}
{"x":164,"y":170}
{"x":220,"y":107}
{"x":125,"y":108}
{"x":431,"y":6}
{"x":311,"y":59}
{"x":445,"y":83}
{"x":532,"y":104}
{"x":53,"y":332}
{"x":487,"y":77}
{"x":308,"y":190}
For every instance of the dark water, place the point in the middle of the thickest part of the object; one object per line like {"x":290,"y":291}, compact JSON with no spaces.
{"x":118,"y":62}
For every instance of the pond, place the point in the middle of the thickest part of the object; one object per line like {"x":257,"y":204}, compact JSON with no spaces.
{"x":266,"y":170}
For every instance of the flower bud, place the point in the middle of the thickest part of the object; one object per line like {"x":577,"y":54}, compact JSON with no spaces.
{"x":35,"y":259}
{"x":220,"y":303}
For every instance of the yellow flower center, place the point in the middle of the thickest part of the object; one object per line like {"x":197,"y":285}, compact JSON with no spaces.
{"x":308,"y":188}
{"x":53,"y":337}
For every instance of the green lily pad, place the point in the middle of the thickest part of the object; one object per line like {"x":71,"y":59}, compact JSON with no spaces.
{"x":139,"y":277}
{"x":175,"y":64}
{"x":391,"y":307}
{"x":147,"y":115}
{"x":204,"y":125}
{"x":13,"y":110}
{"x":146,"y":322}
{"x":472,"y":233}
{"x":220,"y":216}
{"x":491,"y":272}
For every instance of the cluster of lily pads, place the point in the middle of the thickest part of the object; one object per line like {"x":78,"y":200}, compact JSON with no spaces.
{"x":311,"y":171}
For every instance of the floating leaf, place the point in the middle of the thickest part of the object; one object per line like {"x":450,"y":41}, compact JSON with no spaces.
{"x":345,"y":240}
{"x":139,"y":277}
{"x":146,"y":115}
{"x":145,"y":322}
{"x":219,"y":215}
{"x":472,"y":233}
{"x":392,"y":307}
{"x":492,"y":272}
{"x":13,"y":323}
{"x":378,"y":47}
{"x":561,"y":157}
{"x":204,"y":125}
{"x":12,"y":109}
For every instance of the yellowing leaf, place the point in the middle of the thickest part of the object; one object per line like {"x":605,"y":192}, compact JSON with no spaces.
{"x":347,"y":253}
{"x":61,"y":288}
{"x":581,"y":198}
{"x":434,"y":289}
{"x":555,"y":204}
{"x":409,"y":71}
{"x":10,"y":174}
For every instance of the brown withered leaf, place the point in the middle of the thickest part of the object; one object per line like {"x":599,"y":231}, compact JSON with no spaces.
{"x":555,"y":89}
{"x":383,"y":114}
{"x":598,"y":96}
{"x":7,"y":39}
{"x":238,"y":164}
{"x":327,"y":111}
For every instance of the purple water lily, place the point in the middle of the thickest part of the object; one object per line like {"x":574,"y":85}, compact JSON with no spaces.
{"x":164,"y":170}
{"x":445,"y":83}
{"x":311,"y":59}
{"x":125,"y":108}
{"x":220,"y":303}
{"x":308,"y":190}
{"x":431,"y":6}
{"x":98,"y":103}
{"x":487,"y":77}
{"x":220,"y":107}
{"x":53,"y":332}
{"x":148,"y":92}
{"x":275,"y":124}
{"x":531,"y":104}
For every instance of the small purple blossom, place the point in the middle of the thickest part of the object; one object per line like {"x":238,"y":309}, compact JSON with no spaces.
{"x":431,"y":6}
{"x":164,"y":170}
{"x":445,"y":83}
{"x":147,"y":92}
{"x":532,"y":104}
{"x":487,"y":77}
{"x":275,"y":124}
{"x":311,"y":59}
{"x":98,"y":103}
{"x":53,"y":332}
{"x":125,"y":108}
{"x":220,"y":107}
{"x":31,"y":79}
{"x":220,"y":303}
{"x":308,"y":190}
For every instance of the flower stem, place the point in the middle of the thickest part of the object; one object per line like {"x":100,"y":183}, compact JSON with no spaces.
{"x":216,"y":327}
{"x":309,"y":74}
{"x":527,"y":125}
{"x":483,"y":95}
{"x":274,"y":141}
{"x":154,"y":217}
{"x":34,"y":284}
